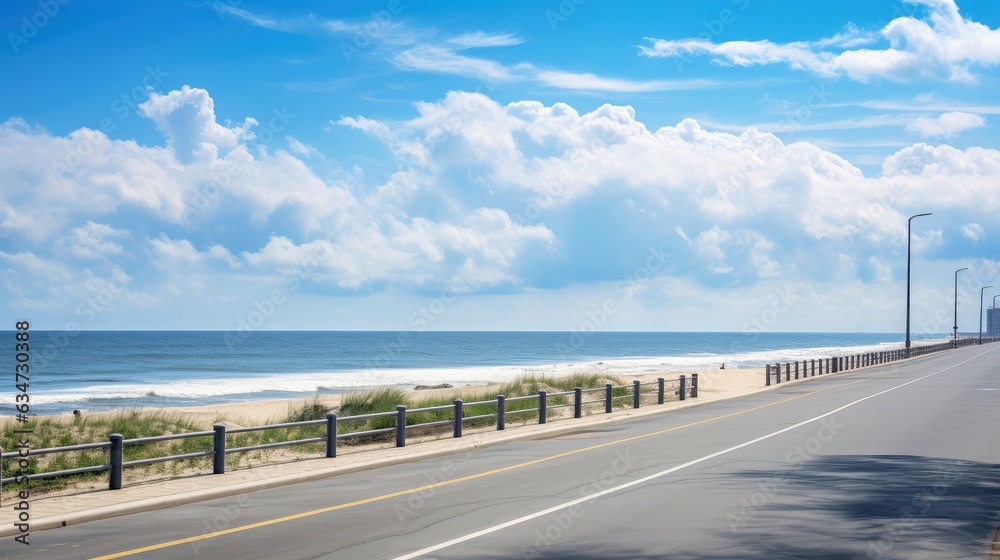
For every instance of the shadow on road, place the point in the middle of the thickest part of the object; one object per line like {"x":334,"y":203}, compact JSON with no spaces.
{"x":838,"y":508}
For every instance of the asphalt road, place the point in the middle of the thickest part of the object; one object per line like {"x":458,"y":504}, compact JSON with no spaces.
{"x":894,"y":462}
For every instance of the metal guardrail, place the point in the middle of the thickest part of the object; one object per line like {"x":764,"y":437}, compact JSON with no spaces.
{"x":116,"y":444}
{"x":813,"y":367}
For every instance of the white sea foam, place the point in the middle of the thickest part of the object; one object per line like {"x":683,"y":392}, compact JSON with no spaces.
{"x":347,"y":380}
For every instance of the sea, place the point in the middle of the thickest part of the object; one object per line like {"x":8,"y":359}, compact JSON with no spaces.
{"x":108,"y":370}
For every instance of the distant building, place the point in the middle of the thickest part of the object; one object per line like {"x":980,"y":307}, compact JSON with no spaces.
{"x":993,"y":322}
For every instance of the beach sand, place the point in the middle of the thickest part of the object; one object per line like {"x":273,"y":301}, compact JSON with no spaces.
{"x":730,"y":381}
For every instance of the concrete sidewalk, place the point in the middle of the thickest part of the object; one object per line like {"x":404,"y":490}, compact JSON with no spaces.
{"x":63,"y":510}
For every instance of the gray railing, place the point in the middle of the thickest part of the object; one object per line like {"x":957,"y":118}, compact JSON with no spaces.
{"x":820,"y":366}
{"x":686,"y":387}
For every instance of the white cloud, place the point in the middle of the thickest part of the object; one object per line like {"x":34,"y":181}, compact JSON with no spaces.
{"x":171,"y":254}
{"x":259,"y":21}
{"x":94,"y":241}
{"x":301,"y":148}
{"x":588,"y":81}
{"x":709,"y":245}
{"x":947,"y":124}
{"x":944,"y":46}
{"x":482,"y":39}
{"x":470,"y":255}
{"x":444,"y":60}
{"x":680,"y":232}
{"x":481,"y":196}
{"x":187,"y":118}
{"x":973,"y":231}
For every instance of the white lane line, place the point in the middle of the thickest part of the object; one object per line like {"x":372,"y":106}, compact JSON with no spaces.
{"x":654,"y":476}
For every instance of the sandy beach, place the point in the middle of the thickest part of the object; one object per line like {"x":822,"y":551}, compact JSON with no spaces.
{"x":717,"y":382}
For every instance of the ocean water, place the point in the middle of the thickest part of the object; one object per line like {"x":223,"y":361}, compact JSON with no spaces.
{"x":104,"y":370}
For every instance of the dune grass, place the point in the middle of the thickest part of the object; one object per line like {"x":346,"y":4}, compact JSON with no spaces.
{"x":49,"y":432}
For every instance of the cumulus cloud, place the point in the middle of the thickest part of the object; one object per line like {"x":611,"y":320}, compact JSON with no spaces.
{"x":480,"y":196}
{"x":187,"y":119}
{"x":93,"y":241}
{"x":944,"y":45}
{"x":208,"y":205}
{"x":756,"y":201}
{"x":947,"y":124}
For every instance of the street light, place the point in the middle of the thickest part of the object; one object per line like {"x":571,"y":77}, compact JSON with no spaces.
{"x":981,"y":292}
{"x":908,"y":222}
{"x":955,"y":328}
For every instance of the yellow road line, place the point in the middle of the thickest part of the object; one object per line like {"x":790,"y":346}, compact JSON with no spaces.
{"x":311,"y":513}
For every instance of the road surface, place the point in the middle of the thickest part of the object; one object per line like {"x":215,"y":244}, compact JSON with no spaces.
{"x":894,"y":462}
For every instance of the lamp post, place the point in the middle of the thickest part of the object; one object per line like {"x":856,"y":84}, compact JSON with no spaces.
{"x":981,"y":292}
{"x":908,"y":223}
{"x":955,"y":328}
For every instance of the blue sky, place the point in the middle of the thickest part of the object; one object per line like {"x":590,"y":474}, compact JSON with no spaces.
{"x":575,"y":165}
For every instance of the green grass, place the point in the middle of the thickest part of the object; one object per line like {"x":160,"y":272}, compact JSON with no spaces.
{"x":136,"y":423}
{"x":131,"y":423}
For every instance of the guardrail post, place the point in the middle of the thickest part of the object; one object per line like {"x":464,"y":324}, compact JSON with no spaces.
{"x":777,"y":373}
{"x":636,"y":393}
{"x":219,"y":440}
{"x":683,"y":388}
{"x":577,"y":402}
{"x":694,"y":385}
{"x":767,"y":375}
{"x":788,"y":371}
{"x":659,"y":390}
{"x":812,"y":363}
{"x":796,"y":369}
{"x":501,"y":412}
{"x":608,"y":390}
{"x":542,"y":404}
{"x":116,"y":462}
{"x":458,"y":417}
{"x":400,"y":425}
{"x":331,"y":435}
